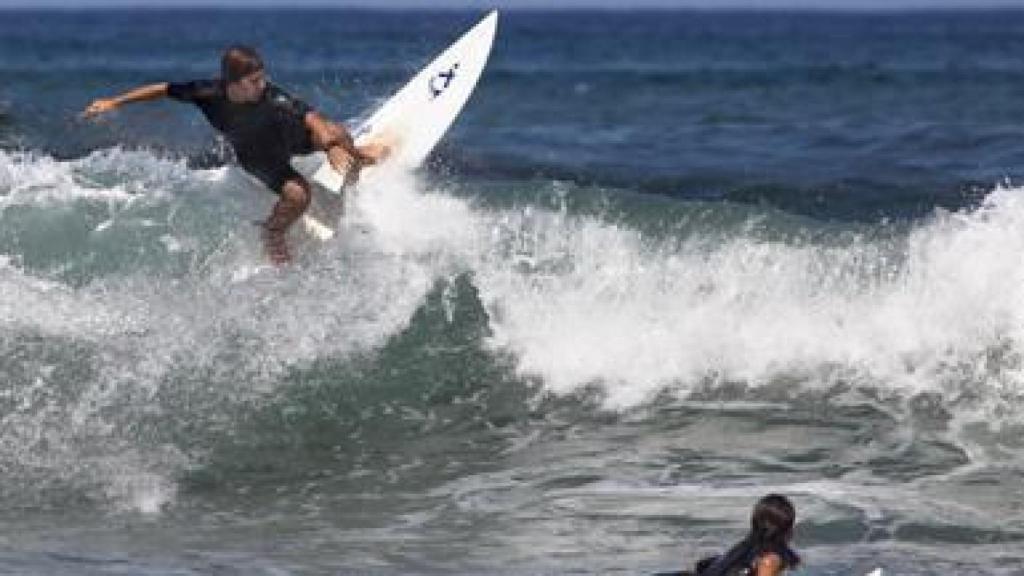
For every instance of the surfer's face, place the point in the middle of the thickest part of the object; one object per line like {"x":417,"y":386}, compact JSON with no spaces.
{"x":248,"y":88}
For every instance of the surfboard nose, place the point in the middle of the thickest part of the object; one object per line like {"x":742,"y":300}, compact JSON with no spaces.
{"x":414,"y":120}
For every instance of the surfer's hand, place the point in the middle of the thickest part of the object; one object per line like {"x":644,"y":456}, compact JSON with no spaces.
{"x":99,"y":106}
{"x":344,"y":163}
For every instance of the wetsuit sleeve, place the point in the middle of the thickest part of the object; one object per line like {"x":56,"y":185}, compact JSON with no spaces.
{"x":288,"y":104}
{"x":192,"y":91}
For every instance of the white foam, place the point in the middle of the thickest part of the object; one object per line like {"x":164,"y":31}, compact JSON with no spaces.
{"x":577,"y":300}
{"x":595,"y":304}
{"x":29,"y":178}
{"x":580,"y":300}
{"x":137,"y":329}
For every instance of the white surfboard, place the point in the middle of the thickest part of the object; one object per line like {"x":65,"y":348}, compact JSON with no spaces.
{"x":415,"y":119}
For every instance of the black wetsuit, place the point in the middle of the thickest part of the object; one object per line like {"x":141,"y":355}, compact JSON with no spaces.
{"x":264,"y":134}
{"x":741,"y":560}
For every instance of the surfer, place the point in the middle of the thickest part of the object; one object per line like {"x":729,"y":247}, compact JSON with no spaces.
{"x":266,"y":127}
{"x":764,"y":552}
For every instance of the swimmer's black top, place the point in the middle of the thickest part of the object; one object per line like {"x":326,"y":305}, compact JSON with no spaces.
{"x":265,"y":134}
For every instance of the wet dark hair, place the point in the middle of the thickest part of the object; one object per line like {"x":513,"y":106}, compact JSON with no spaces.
{"x":238,"y":62}
{"x":771,"y":526}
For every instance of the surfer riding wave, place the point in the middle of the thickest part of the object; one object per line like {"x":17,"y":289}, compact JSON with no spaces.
{"x":265,"y":126}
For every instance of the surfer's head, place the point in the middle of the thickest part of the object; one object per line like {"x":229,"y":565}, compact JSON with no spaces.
{"x":773,"y":519}
{"x":241,"y":69}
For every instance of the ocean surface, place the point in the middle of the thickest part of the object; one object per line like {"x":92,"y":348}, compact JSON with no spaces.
{"x":663,"y":264}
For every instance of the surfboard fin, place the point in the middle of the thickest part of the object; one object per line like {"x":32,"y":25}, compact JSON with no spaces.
{"x":329,"y":178}
{"x":316,"y":228}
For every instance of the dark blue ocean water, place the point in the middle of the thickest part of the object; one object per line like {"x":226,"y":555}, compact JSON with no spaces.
{"x":664,"y":262}
{"x":833,"y":115}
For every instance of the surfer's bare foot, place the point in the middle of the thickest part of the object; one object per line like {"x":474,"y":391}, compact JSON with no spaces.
{"x":369,"y":155}
{"x":375,"y":152}
{"x":341,"y":160}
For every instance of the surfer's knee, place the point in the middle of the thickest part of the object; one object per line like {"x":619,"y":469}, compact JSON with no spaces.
{"x":297,"y":193}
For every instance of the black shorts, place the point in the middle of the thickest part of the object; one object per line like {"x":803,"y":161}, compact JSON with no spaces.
{"x":272,"y":172}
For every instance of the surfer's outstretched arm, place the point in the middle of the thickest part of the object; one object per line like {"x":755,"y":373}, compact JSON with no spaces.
{"x":140,"y":94}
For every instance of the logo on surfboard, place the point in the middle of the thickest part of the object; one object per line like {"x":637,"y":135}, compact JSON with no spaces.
{"x":440,"y":82}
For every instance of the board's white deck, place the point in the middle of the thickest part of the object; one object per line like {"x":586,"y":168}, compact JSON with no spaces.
{"x":413,"y":121}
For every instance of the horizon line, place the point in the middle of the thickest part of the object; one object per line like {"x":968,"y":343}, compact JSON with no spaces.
{"x":371,"y":7}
